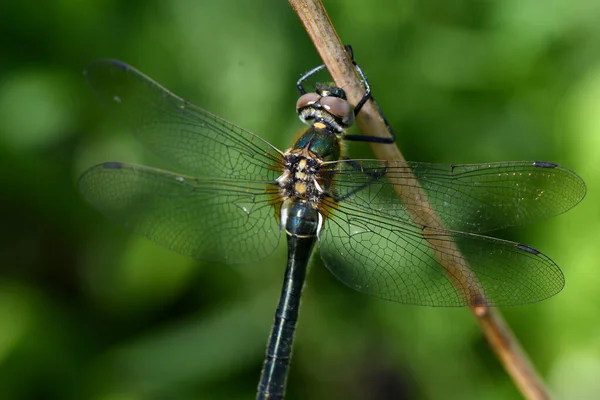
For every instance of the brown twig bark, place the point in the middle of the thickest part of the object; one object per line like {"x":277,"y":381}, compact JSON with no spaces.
{"x":499,"y":336}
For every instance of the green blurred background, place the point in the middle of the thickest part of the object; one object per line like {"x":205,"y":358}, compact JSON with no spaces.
{"x":88,"y":311}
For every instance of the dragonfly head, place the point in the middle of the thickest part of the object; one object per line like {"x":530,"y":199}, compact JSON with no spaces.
{"x":327,"y":105}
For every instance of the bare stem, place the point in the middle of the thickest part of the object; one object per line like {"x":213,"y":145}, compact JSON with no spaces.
{"x":499,"y":336}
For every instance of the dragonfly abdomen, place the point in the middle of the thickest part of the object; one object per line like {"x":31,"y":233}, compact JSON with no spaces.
{"x":300,"y":218}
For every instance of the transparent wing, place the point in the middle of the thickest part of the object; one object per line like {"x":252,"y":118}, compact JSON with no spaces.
{"x":215,"y":220}
{"x":398,"y":261}
{"x":471,"y":198}
{"x":186,"y":136}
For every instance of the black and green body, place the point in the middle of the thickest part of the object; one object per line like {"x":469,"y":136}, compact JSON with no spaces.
{"x":301,"y":219}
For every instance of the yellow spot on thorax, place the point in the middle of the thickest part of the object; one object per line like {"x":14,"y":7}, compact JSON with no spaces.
{"x":319,"y":125}
{"x":300,"y":188}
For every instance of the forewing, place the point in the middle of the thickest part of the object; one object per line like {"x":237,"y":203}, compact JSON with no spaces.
{"x":208,"y":219}
{"x":472,"y":198}
{"x":186,"y":136}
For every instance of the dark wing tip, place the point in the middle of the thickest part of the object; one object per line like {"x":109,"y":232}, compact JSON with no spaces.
{"x":119,"y":64}
{"x":91,"y":174}
{"x":103,"y":61}
{"x":544,"y":164}
{"x":106,"y":165}
{"x":577,"y":182}
{"x":112,"y":165}
{"x":527,"y":249}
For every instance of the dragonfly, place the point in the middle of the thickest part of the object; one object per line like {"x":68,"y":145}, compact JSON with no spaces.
{"x":230,"y":196}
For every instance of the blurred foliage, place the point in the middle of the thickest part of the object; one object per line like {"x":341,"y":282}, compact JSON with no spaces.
{"x":89,"y":312}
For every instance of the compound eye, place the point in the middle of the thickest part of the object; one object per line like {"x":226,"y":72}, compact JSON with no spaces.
{"x":339,"y":108}
{"x":307,"y":100}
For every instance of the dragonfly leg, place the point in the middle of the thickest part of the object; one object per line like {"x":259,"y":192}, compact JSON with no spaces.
{"x":361,"y":103}
{"x":366,"y":96}
{"x":306,"y":76}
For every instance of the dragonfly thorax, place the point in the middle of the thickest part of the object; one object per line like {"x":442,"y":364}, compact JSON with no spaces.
{"x":303,"y":185}
{"x":301,"y":178}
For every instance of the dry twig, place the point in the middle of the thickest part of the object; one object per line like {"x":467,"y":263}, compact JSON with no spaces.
{"x":500,"y":337}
